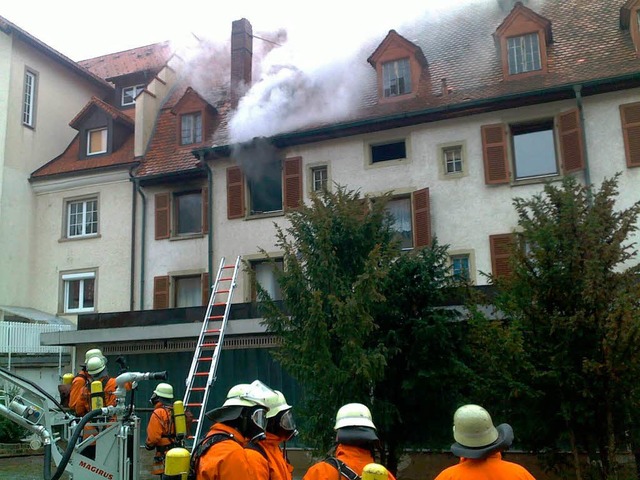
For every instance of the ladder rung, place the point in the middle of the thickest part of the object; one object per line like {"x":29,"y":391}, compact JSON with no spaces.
{"x":215,"y":317}
{"x":201,"y":374}
{"x":209,"y":344}
{"x":226,"y":279}
{"x":222,"y":291}
{"x":219,"y":304}
{"x":198,"y":389}
{"x":193,"y":405}
{"x":205,"y":359}
{"x":213,"y":330}
{"x":229,"y":266}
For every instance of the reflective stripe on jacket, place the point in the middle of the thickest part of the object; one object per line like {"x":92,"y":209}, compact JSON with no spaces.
{"x":356,"y":458}
{"x":490,"y":468}
{"x":225,"y":460}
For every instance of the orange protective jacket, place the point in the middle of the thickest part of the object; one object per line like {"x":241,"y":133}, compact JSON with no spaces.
{"x":490,"y":468}
{"x":160,"y":431}
{"x":79,"y":401}
{"x":275,"y":466}
{"x":356,"y":458}
{"x":226,"y":460}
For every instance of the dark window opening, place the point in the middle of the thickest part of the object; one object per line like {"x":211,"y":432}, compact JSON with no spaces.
{"x":388,"y":151}
{"x":265,"y":190}
{"x":534,"y":149}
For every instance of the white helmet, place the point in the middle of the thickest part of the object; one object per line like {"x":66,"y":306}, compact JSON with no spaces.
{"x":96,"y":365}
{"x":473,"y":427}
{"x":248,"y":395}
{"x":276,"y":404}
{"x":164,"y":390}
{"x":94,"y":352}
{"x":353,"y":415}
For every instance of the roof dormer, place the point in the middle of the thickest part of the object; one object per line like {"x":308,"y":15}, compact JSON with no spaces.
{"x":196,"y":119}
{"x":399,"y":64}
{"x":630,"y":20}
{"x":523,"y":37}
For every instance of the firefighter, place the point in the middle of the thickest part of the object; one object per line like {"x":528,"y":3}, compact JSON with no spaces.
{"x":356,"y":440}
{"x":161,"y":430}
{"x":79,"y":397}
{"x":241,"y":418}
{"x":478,"y":444}
{"x":269,"y":462}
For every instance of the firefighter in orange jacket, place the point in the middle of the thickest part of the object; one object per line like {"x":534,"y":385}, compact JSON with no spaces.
{"x":241,"y":418}
{"x":161,"y":431}
{"x":478,"y":444}
{"x":79,"y":397}
{"x":265,"y":456}
{"x":356,"y":440}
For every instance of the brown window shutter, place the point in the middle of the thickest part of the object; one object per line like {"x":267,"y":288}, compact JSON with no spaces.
{"x":161,"y":292}
{"x":494,"y":153}
{"x":501,"y":246}
{"x":235,"y":193}
{"x":205,"y":288}
{"x":421,"y":218}
{"x":205,"y":210}
{"x":292,"y":183}
{"x":163,"y":216}
{"x":571,"y":145}
{"x":630,"y":114}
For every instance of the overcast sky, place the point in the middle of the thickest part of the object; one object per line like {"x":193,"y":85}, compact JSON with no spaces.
{"x":81,"y":29}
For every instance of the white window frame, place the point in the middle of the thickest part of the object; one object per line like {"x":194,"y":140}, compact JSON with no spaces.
{"x":369,"y":146}
{"x":84,"y":213}
{"x":523,"y":55}
{"x":441,"y":151}
{"x":408,"y":199}
{"x":175,"y":280}
{"x":29,"y":98}
{"x":193,"y":138}
{"x":470,"y":254}
{"x":392,"y":72}
{"x":175,"y":212}
{"x":135,"y":89}
{"x":104,"y":132}
{"x":319,"y":185}
{"x":253,"y":260}
{"x":518,"y":174}
{"x":80,"y":277}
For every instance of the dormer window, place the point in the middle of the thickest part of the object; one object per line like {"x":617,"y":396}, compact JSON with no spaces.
{"x":129,"y":94}
{"x":191,"y":128}
{"x":524,"y":53}
{"x":96,"y":141}
{"x":396,"y":77}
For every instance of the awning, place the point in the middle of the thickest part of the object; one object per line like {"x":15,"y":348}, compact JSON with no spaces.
{"x":34,"y":316}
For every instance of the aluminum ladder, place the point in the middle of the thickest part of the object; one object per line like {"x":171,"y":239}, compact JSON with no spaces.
{"x":202,"y":374}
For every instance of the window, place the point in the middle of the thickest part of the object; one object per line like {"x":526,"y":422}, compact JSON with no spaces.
{"x":188,"y":291}
{"x":29,"y":99}
{"x":191,"y":128}
{"x":388,"y":151}
{"x":265,"y":189}
{"x":396,"y":77}
{"x":82,"y":218}
{"x":78,"y":292}
{"x":534,"y":149}
{"x":460,"y":266}
{"x":188,"y":212}
{"x":524,"y":53}
{"x":265,"y":275}
{"x":96,"y":141}
{"x":319,"y":178}
{"x":400,"y":210}
{"x":452,"y":157}
{"x":129,"y":94}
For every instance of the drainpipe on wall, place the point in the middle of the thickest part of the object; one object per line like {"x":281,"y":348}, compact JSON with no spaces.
{"x":133,"y":240}
{"x":142,"y":240}
{"x":587,"y":174}
{"x":210,"y":222}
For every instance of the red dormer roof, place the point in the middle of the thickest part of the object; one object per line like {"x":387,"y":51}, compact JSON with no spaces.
{"x":395,"y":40}
{"x":148,"y":58}
{"x":521,"y":13}
{"x":113,"y":112}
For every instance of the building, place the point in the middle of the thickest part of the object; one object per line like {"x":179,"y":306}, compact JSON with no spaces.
{"x":455,"y":115}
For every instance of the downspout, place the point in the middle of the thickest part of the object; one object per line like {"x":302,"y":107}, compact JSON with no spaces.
{"x":209,"y":221}
{"x":587,"y":174}
{"x":133,"y":240}
{"x":143,"y":234}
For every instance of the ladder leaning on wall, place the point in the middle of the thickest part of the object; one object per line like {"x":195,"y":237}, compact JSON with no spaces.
{"x":202,"y":374}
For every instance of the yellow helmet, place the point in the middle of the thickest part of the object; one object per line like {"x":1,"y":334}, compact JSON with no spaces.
{"x":164,"y":390}
{"x":353,"y":415}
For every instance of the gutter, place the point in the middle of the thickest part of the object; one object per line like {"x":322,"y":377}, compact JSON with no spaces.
{"x":587,"y":173}
{"x":210,"y":224}
{"x":143,"y":234}
{"x":561,"y":92}
{"x":133,"y":240}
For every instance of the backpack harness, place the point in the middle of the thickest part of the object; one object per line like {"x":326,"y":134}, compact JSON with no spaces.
{"x":343,"y":468}
{"x":205,"y":444}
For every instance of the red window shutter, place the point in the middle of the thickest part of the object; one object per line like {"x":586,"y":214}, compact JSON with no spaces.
{"x":494,"y":153}
{"x":235,"y":193}
{"x":630,"y":114}
{"x":571,"y":144}
{"x":161,"y":292}
{"x":421,"y":218}
{"x":501,"y":246}
{"x":205,"y":288}
{"x":163,"y":216}
{"x":205,"y":210}
{"x":292,"y":183}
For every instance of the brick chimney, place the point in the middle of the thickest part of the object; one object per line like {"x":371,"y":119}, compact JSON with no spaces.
{"x":241,"y":57}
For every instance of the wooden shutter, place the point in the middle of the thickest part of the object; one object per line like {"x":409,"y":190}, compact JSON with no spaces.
{"x":205,"y":288}
{"x":161,"y":292}
{"x":501,"y":246}
{"x":494,"y":153}
{"x":421,"y":218}
{"x":630,"y":115}
{"x":162,"y":215}
{"x":235,"y":193}
{"x":571,"y":144}
{"x":205,"y":210}
{"x":292,"y":182}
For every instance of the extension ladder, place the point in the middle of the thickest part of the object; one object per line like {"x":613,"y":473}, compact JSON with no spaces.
{"x":202,"y":373}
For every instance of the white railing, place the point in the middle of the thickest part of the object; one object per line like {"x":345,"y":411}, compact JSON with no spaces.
{"x":18,"y":337}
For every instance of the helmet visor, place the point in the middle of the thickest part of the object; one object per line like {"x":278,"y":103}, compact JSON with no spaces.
{"x":259,"y":418}
{"x":287,"y":422}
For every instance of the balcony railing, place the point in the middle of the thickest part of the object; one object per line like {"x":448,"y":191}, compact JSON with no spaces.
{"x":20,"y":338}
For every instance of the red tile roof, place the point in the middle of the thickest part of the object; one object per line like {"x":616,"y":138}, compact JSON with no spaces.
{"x":109,"y":109}
{"x":150,"y":57}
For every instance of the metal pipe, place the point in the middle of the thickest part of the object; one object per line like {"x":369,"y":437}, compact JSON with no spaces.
{"x":143,"y":233}
{"x":587,"y":173}
{"x":209,"y":223}
{"x":132,"y":268}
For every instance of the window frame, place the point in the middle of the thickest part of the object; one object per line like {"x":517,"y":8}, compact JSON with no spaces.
{"x":441,"y":150}
{"x":403,"y":63}
{"x":175,"y":280}
{"x":251,"y":190}
{"x":30,"y":90}
{"x":105,"y":139}
{"x":529,"y":127}
{"x":522,"y":37}
{"x":80,"y":276}
{"x":405,"y":198}
{"x":68,"y":202}
{"x":136,"y":91}
{"x":313,"y":169}
{"x":251,"y":293}
{"x":175,"y":207}
{"x":369,"y":146}
{"x":193,"y":137}
{"x":470,"y":255}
